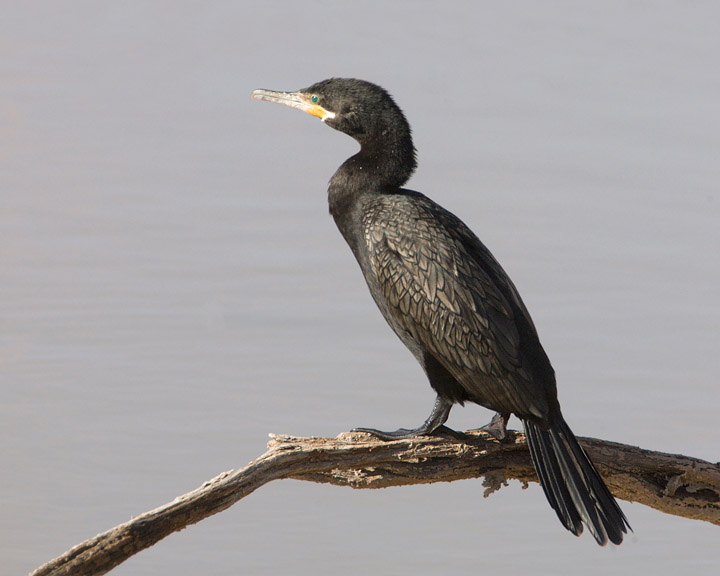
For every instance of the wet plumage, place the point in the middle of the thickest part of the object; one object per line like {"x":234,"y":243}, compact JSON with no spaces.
{"x":448,"y":299}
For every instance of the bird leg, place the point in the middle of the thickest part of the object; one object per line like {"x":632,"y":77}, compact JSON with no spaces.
{"x":438,"y":417}
{"x":497,"y":427}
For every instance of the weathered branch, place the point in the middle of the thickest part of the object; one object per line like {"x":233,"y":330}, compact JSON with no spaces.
{"x":671,"y":483}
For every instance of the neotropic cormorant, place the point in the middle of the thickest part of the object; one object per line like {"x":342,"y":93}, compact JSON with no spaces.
{"x":449,"y":300}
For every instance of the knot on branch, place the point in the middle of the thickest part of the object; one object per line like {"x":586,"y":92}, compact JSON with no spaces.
{"x":691,"y":485}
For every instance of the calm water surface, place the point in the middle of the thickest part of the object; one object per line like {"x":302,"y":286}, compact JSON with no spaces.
{"x":172,"y":288}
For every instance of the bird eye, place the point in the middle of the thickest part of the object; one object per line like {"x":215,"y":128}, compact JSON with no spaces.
{"x":314,"y":99}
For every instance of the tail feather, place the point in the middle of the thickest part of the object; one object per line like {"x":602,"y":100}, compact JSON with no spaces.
{"x":552,"y":482}
{"x":572,"y":485}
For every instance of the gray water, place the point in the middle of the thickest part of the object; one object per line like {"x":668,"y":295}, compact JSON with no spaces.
{"x":172,"y":288}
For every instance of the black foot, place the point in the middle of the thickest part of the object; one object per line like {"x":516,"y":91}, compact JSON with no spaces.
{"x":497,"y":428}
{"x":399,"y":434}
{"x":404,"y":433}
{"x":447,"y":432}
{"x":437,"y":418}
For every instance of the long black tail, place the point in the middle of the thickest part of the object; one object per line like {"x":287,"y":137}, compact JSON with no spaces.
{"x":573,"y":487}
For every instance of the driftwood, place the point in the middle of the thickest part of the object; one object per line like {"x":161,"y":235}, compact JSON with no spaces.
{"x":670,"y":483}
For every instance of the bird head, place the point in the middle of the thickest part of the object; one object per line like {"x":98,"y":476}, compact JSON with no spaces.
{"x":358,"y":108}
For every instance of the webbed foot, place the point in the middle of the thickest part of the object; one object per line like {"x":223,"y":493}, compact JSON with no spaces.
{"x":497,"y":427}
{"x":438,"y":417}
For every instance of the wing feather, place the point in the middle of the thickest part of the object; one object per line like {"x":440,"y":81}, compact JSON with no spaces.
{"x":443,"y":287}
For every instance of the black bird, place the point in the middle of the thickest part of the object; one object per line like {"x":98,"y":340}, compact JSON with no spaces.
{"x":449,"y":300}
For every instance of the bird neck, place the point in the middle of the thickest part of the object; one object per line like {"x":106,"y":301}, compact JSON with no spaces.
{"x":378,"y":168}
